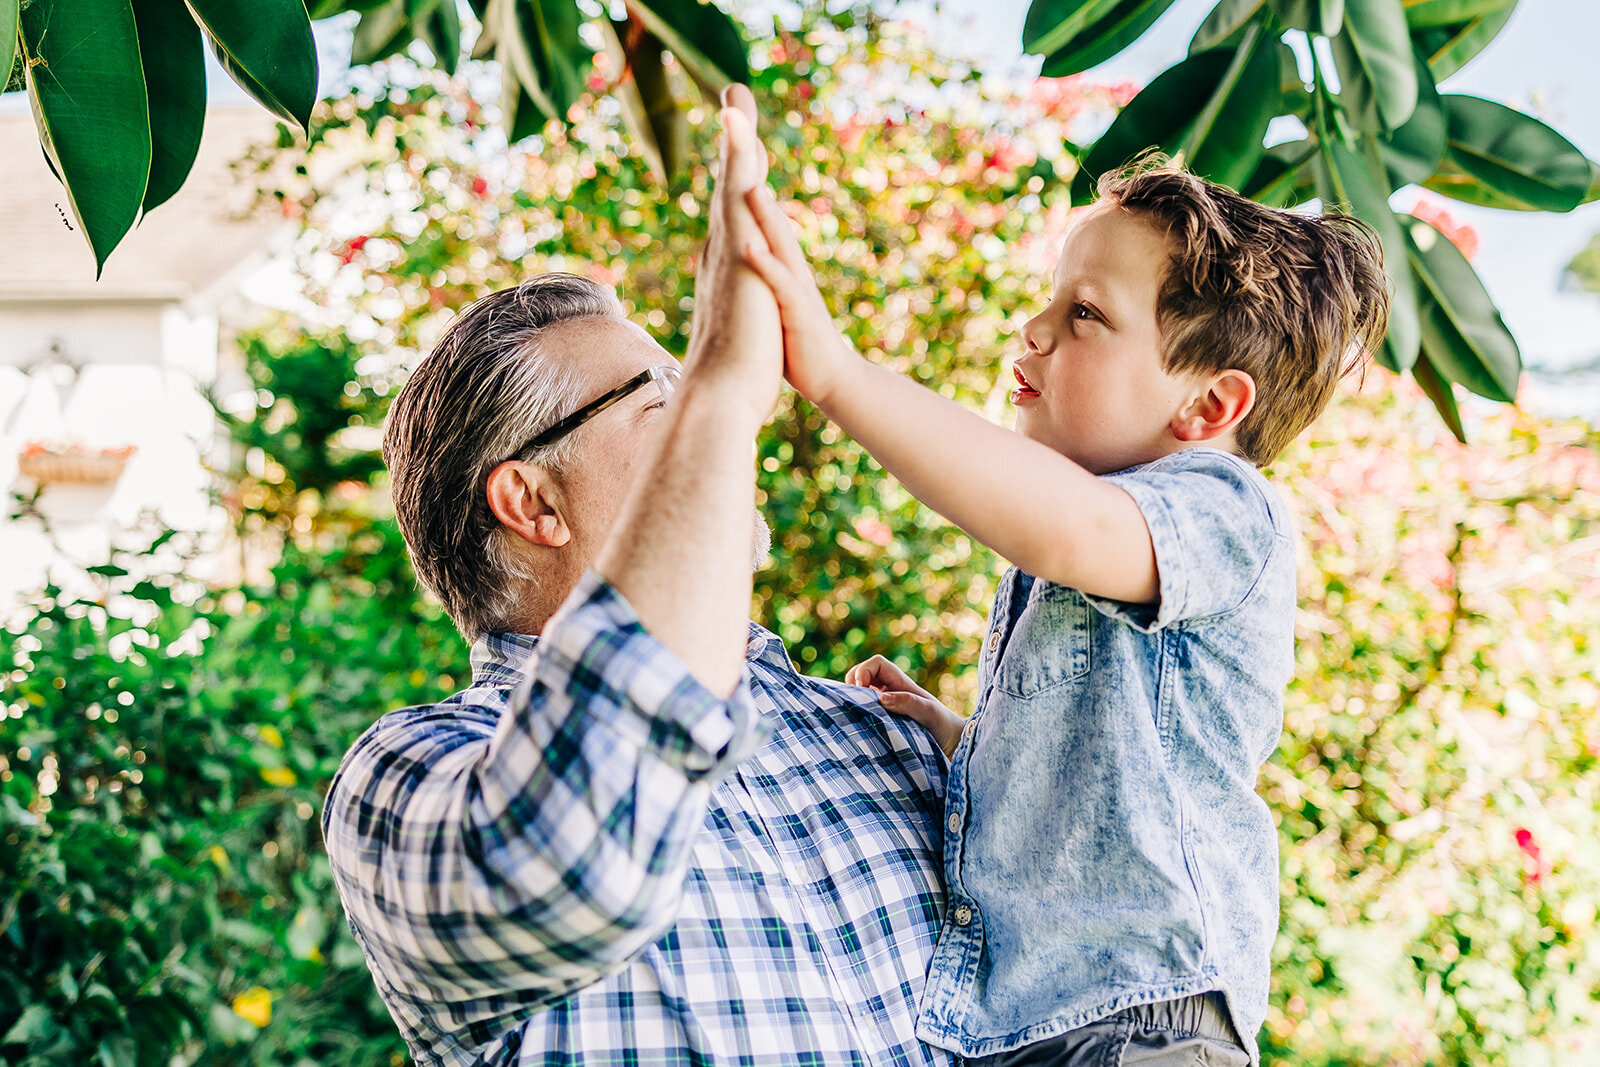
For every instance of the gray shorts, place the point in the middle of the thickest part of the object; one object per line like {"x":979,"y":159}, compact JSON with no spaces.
{"x":1191,"y":1032}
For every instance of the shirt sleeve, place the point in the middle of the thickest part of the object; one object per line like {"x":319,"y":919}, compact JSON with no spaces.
{"x":1214,"y":529}
{"x":534,"y":860}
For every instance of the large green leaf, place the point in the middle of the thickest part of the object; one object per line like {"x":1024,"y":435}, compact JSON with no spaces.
{"x":1313,"y":16}
{"x":1413,"y":152}
{"x":542,"y":59}
{"x":1052,"y":24}
{"x":172,"y":53}
{"x":8,"y":40}
{"x":1438,"y":390}
{"x":1213,"y":107}
{"x":1498,"y":157}
{"x":550,"y":28}
{"x":1466,"y":339}
{"x":1377,"y":65}
{"x":654,"y":117}
{"x":1421,"y":14}
{"x":88,"y":93}
{"x":1284,"y":177}
{"x":266,"y":46}
{"x":1351,"y":182}
{"x":1104,"y":39}
{"x":383,"y":31}
{"x":700,"y":36}
{"x":1225,"y":24}
{"x":1449,"y":48}
{"x":442,"y":31}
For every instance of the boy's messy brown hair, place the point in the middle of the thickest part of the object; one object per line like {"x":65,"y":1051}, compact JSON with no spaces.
{"x":1295,"y":301}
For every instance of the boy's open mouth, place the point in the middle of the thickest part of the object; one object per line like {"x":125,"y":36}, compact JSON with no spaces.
{"x":1024,"y":388}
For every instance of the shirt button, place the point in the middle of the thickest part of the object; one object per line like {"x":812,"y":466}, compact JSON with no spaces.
{"x":953,"y":823}
{"x":963,"y":915}
{"x":994,"y":640}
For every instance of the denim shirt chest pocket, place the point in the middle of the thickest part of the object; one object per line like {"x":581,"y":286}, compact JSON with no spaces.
{"x":1049,"y":644}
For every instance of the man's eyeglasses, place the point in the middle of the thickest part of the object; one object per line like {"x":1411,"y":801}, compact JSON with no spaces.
{"x":665,"y":378}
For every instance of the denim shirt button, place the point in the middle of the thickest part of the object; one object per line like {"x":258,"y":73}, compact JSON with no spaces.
{"x":994,"y":640}
{"x":963,"y":915}
{"x":953,"y":823}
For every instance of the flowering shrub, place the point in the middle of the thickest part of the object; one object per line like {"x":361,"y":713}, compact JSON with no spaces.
{"x":165,"y":747}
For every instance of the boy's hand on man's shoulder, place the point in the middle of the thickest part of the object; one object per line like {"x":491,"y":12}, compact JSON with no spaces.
{"x":899,"y":694}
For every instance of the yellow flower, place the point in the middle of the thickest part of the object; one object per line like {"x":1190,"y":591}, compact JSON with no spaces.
{"x":219,"y":857}
{"x":279,"y":776}
{"x":418,"y":676}
{"x":254,"y":1005}
{"x":272,"y":736}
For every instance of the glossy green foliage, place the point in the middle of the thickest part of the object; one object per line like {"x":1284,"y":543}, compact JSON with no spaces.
{"x":166,"y":745}
{"x":118,"y":91}
{"x":1374,"y":122}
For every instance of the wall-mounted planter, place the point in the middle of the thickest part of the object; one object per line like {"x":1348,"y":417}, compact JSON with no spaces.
{"x":46,"y":463}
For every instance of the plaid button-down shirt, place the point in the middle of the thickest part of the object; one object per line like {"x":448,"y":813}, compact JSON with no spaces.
{"x":588,"y":858}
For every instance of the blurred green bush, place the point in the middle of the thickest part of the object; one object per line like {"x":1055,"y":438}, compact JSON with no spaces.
{"x":165,"y":746}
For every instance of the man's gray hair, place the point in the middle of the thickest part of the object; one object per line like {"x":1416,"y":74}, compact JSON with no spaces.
{"x":484,"y":390}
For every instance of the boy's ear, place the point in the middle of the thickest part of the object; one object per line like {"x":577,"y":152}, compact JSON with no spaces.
{"x":524,"y":499}
{"x":1218,"y":406}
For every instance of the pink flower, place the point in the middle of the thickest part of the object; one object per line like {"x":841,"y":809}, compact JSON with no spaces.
{"x":1463,"y":236}
{"x":874,"y":530}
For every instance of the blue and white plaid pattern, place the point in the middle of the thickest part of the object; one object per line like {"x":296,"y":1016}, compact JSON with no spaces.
{"x":588,"y":858}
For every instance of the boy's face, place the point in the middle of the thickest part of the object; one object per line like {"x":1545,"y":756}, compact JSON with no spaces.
{"x":1091,"y":385}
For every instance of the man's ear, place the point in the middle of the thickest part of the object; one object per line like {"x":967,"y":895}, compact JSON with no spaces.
{"x":1218,"y":406}
{"x":523,"y":497}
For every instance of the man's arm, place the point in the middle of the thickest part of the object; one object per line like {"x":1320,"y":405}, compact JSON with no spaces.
{"x":680,"y":551}
{"x":483,"y":870}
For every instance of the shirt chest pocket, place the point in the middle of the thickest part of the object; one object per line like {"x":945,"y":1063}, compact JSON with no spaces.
{"x":1049,"y":646}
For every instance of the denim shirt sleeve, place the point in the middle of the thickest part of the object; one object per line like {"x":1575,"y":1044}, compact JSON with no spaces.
{"x":1214,"y":527}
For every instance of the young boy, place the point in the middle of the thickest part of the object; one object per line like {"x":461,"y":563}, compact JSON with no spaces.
{"x":1112,"y":875}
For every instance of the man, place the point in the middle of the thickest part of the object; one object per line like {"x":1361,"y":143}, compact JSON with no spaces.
{"x":639,"y":836}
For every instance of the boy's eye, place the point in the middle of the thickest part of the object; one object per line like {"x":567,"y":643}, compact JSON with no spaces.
{"x":1084,"y":311}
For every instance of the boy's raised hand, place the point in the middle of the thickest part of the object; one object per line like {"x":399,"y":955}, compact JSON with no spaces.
{"x":814,"y":354}
{"x":899,"y":694}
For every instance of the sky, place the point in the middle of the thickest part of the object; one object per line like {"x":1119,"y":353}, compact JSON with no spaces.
{"x":1544,"y":62}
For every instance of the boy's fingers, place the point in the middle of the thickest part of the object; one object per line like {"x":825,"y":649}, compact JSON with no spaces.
{"x":770,"y":271}
{"x":779,"y":230}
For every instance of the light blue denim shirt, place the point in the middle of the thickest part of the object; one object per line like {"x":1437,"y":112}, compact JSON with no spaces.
{"x":1105,"y":846}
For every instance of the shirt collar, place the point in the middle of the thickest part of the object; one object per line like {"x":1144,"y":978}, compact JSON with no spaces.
{"x":499,"y":656}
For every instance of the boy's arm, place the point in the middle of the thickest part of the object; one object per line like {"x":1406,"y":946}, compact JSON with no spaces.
{"x":1034,"y":506}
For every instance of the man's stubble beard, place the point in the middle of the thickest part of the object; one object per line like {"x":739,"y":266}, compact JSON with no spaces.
{"x":760,"y":542}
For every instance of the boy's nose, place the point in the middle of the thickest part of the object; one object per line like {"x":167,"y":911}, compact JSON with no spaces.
{"x":1035,"y":335}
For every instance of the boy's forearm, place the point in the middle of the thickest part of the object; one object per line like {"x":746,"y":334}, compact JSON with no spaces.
{"x":1034,"y":506}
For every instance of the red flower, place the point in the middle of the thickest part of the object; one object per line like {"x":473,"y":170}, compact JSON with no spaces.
{"x":1534,"y":868}
{"x":480,"y":185}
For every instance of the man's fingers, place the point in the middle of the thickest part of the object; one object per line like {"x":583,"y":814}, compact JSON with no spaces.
{"x":739,"y":98}
{"x":739,"y":167}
